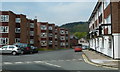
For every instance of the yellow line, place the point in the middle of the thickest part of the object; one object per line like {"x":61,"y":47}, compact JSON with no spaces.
{"x":87,"y":61}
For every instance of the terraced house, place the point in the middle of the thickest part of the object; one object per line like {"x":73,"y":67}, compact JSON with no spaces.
{"x":104,"y":28}
{"x":16,"y":28}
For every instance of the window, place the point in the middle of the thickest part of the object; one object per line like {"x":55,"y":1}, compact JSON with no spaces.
{"x":31,"y":41}
{"x":50,"y":28}
{"x":66,"y":32}
{"x":17,"y":30}
{"x":43,"y":27}
{"x":31,"y":33}
{"x":50,"y":34}
{"x":62,"y":32}
{"x":43,"y":43}
{"x":17,"y":20}
{"x":4,"y":41}
{"x":31,"y":25}
{"x":43,"y":35}
{"x":4,"y":18}
{"x":62,"y":44}
{"x":55,"y":36}
{"x":4,"y":29}
{"x":17,"y":39}
{"x":62,"y":38}
{"x":11,"y":46}
{"x":50,"y":42}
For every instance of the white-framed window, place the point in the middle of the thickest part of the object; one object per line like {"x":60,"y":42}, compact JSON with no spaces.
{"x":17,"y":30}
{"x":50,"y":42}
{"x":31,"y":25}
{"x":62,"y":44}
{"x":17,"y":40}
{"x":62,"y":38}
{"x":55,"y":36}
{"x":31,"y":33}
{"x":50,"y":34}
{"x":17,"y":20}
{"x":67,"y":43}
{"x":4,"y":18}
{"x":4,"y":29}
{"x":50,"y":27}
{"x":31,"y":41}
{"x":43,"y":43}
{"x":66,"y":32}
{"x":4,"y":41}
{"x":43,"y":35}
{"x":43,"y":27}
{"x":62,"y":32}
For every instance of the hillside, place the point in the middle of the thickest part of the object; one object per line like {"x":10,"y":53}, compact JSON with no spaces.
{"x":76,"y":27}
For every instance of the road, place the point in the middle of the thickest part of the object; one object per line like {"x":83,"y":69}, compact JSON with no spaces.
{"x":48,"y":60}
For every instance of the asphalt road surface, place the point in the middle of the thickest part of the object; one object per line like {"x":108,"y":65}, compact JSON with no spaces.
{"x":60,"y":60}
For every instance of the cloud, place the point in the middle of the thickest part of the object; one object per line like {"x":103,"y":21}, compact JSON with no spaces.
{"x":53,"y":12}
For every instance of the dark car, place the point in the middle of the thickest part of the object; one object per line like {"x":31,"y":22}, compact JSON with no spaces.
{"x":24,"y":47}
{"x":78,"y":49}
{"x":34,"y":49}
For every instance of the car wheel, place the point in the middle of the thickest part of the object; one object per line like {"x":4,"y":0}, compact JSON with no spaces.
{"x":22,"y":52}
{"x":14,"y":53}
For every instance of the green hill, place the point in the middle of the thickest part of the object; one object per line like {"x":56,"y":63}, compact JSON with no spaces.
{"x":76,"y":27}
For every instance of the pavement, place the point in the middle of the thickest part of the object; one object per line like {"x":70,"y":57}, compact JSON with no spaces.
{"x":99,"y":59}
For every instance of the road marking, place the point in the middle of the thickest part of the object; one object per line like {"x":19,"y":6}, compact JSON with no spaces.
{"x":18,"y":62}
{"x":52,"y":64}
{"x":87,"y":61}
{"x":38,"y":61}
{"x":67,"y":60}
{"x":60,"y":60}
{"x":28,"y":62}
{"x":7,"y":63}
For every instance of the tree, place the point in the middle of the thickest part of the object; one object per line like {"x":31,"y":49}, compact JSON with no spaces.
{"x":80,"y":34}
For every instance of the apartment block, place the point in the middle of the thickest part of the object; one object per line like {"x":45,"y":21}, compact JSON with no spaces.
{"x":16,"y":28}
{"x":104,"y":28}
{"x":42,"y":35}
{"x":51,"y":36}
{"x":64,"y":38}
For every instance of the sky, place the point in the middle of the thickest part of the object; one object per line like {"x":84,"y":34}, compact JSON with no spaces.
{"x":52,"y":12}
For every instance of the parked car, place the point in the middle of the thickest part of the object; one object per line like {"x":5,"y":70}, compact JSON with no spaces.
{"x":24,"y":47}
{"x":12,"y":49}
{"x":78,"y":49}
{"x":84,"y":47}
{"x":34,"y":49}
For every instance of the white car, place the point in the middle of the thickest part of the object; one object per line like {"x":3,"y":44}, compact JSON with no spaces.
{"x":10,"y":49}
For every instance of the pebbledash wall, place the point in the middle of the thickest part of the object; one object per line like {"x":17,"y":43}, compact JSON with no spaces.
{"x":104,"y":28}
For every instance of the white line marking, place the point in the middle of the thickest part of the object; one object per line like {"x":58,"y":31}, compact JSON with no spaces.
{"x":52,"y":64}
{"x":28,"y":62}
{"x":38,"y":61}
{"x":7,"y":63}
{"x":18,"y":62}
{"x":60,"y":60}
{"x":67,"y":60}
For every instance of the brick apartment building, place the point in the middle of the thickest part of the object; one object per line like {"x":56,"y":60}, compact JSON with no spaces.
{"x":104,"y":28}
{"x":51,"y":37}
{"x":16,"y":28}
{"x":64,"y":38}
